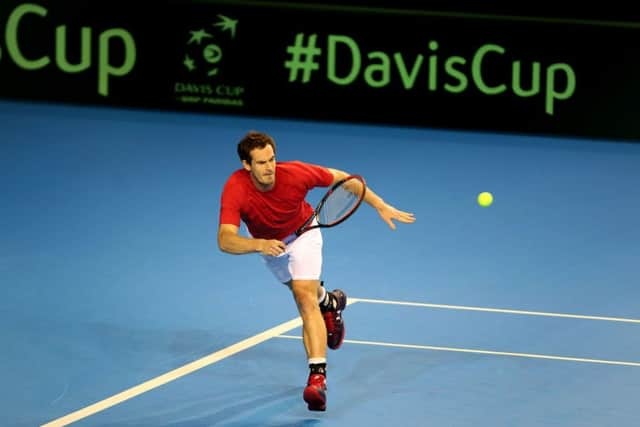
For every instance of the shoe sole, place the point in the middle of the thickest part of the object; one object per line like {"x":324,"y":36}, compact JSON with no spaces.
{"x":316,"y":398}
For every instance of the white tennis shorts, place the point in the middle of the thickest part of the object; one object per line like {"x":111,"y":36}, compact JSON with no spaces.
{"x":302,"y":259}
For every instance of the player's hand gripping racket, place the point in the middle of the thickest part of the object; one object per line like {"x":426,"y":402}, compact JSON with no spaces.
{"x":340,"y":202}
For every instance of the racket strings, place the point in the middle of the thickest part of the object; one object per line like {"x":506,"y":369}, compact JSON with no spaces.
{"x":337,"y":206}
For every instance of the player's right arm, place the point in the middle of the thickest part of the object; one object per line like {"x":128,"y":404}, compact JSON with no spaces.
{"x":231,"y":242}
{"x":385,"y":210}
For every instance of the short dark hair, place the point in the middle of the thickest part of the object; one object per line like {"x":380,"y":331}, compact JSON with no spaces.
{"x":254,"y":139}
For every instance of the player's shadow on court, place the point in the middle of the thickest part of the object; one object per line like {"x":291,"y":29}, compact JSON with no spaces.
{"x":301,"y":423}
{"x":252,"y":413}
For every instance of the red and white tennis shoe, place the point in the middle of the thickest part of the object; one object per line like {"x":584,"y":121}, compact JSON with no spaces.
{"x":315,"y":394}
{"x":333,"y":319}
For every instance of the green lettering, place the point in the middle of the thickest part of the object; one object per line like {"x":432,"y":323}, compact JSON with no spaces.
{"x":551,"y":92}
{"x":408,"y":79}
{"x":476,"y":69}
{"x":433,"y":66}
{"x":384,"y":68}
{"x":105,"y":69}
{"x":449,"y":67}
{"x":11,"y":35}
{"x":332,"y":42}
{"x":61,"y":50}
{"x":517,"y":83}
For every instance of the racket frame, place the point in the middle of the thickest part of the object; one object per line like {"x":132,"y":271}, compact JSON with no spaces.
{"x":305,"y":227}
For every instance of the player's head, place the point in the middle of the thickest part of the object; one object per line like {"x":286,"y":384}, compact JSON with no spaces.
{"x":257,"y":151}
{"x":252,"y":140}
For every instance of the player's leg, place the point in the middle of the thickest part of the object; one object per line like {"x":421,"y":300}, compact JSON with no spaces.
{"x":305,"y":262}
{"x":314,"y":332}
{"x":305,"y":265}
{"x":300,"y":269}
{"x":314,"y":336}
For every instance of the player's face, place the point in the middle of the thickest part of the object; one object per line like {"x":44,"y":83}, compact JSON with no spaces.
{"x":262,"y":167}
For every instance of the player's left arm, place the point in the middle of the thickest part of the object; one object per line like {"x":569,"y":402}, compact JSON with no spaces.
{"x":387,"y":212}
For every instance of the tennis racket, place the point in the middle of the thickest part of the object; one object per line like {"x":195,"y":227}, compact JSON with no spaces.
{"x":339,"y":203}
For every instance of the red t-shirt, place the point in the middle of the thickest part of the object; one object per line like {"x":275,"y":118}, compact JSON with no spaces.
{"x":276,"y":213}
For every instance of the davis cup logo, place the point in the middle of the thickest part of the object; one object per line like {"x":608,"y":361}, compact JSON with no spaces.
{"x":205,"y":54}
{"x":204,"y":49}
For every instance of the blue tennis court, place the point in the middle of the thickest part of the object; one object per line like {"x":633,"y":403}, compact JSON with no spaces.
{"x":118,"y":309}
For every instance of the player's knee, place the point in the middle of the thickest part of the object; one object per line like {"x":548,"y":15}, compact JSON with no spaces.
{"x":305,"y":295}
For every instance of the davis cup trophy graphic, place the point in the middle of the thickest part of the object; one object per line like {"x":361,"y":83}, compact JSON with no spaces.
{"x":204,"y":55}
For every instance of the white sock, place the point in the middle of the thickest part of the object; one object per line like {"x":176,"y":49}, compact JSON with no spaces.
{"x":322,"y":300}
{"x":317,"y":360}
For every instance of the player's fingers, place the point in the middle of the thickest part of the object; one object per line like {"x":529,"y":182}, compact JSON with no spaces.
{"x":407,"y":218}
{"x":405,"y":215}
{"x":278,"y":247}
{"x":391,"y":224}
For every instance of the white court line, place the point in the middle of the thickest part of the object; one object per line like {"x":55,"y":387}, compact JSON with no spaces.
{"x":175,"y":374}
{"x":278,"y":331}
{"x":495,"y":310}
{"x":490,"y":352}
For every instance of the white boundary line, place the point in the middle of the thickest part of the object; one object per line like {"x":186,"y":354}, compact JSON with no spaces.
{"x":490,"y":352}
{"x":175,"y":374}
{"x":279,"y":331}
{"x":495,"y":310}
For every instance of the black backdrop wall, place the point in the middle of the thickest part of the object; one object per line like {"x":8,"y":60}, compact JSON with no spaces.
{"x":468,"y":67}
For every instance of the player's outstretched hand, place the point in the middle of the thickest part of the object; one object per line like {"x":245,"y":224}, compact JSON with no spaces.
{"x":388,"y":213}
{"x":272,"y":247}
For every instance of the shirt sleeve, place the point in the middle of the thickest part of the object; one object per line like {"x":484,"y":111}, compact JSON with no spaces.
{"x":230,"y":204}
{"x":316,"y":175}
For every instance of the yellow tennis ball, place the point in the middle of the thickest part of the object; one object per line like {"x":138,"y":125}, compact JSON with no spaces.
{"x":485,"y":199}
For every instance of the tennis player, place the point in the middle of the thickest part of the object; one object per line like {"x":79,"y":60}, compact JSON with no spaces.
{"x":270,"y":199}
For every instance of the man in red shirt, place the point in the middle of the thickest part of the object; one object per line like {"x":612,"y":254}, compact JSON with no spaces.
{"x":270,"y":200}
